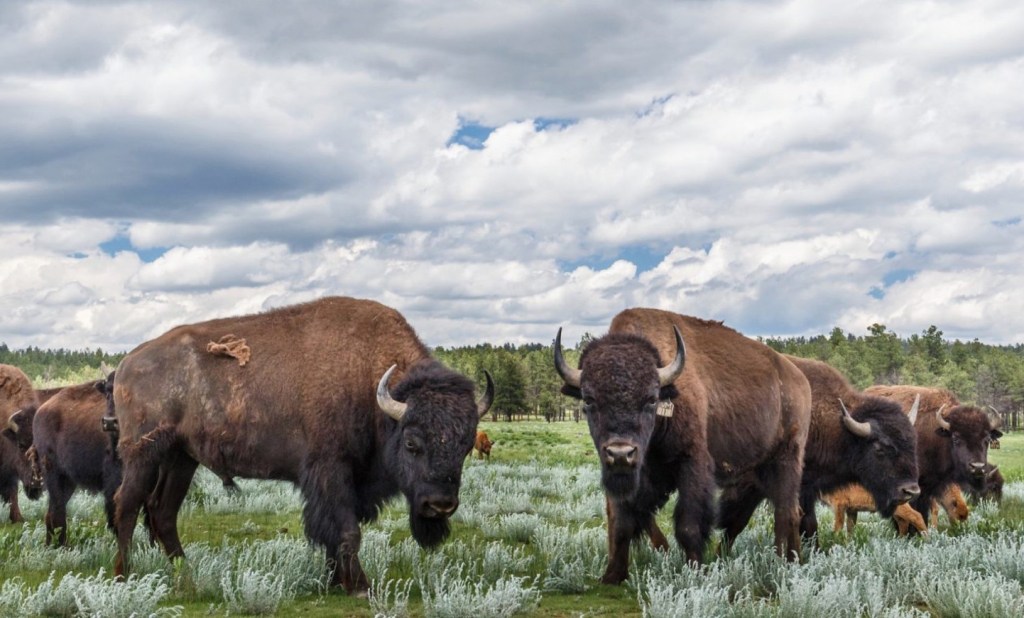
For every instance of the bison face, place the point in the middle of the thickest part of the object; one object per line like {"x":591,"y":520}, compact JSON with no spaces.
{"x":970,"y":432}
{"x":435,"y":433}
{"x":19,"y":427}
{"x":621,"y":382}
{"x":881,"y":441}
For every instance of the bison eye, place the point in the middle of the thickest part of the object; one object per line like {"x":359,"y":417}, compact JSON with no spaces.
{"x":411,"y":447}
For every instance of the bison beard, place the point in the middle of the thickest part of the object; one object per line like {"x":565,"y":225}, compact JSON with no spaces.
{"x":429,"y":532}
{"x":620,"y":485}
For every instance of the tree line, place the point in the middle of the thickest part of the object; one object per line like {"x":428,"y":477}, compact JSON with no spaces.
{"x":526,"y":385}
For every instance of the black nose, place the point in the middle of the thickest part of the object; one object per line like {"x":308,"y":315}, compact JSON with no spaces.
{"x":620,"y":454}
{"x":439,"y":506}
{"x":908,"y":492}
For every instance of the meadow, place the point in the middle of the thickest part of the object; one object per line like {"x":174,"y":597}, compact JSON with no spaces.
{"x":528,"y":539}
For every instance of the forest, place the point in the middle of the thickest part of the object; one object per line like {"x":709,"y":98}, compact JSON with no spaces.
{"x":527,"y":386}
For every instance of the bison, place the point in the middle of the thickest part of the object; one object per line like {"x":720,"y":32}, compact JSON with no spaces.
{"x":952,"y":439}
{"x":73,"y":451}
{"x":482,"y":446}
{"x":847,"y":502}
{"x":338,"y":396}
{"x":855,"y":438}
{"x":16,"y":395}
{"x":723,"y":407}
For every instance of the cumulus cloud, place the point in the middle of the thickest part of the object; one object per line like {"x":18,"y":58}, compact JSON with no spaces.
{"x":786,"y":166}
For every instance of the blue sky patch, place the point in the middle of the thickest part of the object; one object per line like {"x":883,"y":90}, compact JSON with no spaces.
{"x":121,"y":243}
{"x":472,"y":135}
{"x":644,"y":257}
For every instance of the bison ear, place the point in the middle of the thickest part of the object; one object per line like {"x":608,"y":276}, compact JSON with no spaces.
{"x":996,"y":434}
{"x":9,"y":434}
{"x":572,"y":391}
{"x":101,"y":386}
{"x":668,"y":392}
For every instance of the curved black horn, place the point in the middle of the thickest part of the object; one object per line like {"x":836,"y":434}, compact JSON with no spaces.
{"x":485,"y":404}
{"x":858,"y":428}
{"x":394,"y":409}
{"x":572,"y":377}
{"x":668,"y":374}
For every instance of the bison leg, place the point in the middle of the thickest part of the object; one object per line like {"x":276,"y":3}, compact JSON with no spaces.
{"x":851,"y":521}
{"x":59,"y":488}
{"x":840,"y":518}
{"x":176,"y":477}
{"x":737,"y":507}
{"x":141,"y":469}
{"x":694,"y":514}
{"x":808,"y":518}
{"x":330,"y":520}
{"x":11,"y":498}
{"x":622,"y":527}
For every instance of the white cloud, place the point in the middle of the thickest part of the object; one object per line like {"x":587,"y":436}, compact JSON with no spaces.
{"x":786,"y":166}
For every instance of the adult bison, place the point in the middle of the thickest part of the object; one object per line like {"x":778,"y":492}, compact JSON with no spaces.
{"x":724,"y":407}
{"x":73,"y":451}
{"x":855,"y":438}
{"x":952,"y":440}
{"x":16,"y":395}
{"x":300,"y":394}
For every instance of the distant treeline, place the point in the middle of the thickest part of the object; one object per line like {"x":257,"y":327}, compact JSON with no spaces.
{"x":527,"y":385}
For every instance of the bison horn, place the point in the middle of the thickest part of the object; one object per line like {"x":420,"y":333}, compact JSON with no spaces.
{"x":394,"y":409}
{"x":861,"y":429}
{"x":994,"y":418}
{"x":992,"y":470}
{"x":668,"y":374}
{"x":572,"y":377}
{"x":13,"y":426}
{"x":485,"y":404}
{"x":913,"y":410}
{"x":943,"y":423}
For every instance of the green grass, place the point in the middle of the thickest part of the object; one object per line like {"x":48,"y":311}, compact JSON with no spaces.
{"x":539,"y":474}
{"x":1010,"y":456}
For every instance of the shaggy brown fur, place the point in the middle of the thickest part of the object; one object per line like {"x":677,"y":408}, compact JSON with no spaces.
{"x":74,"y":452}
{"x":944,"y":457}
{"x":16,"y":397}
{"x":302,"y":409}
{"x":884,"y":463}
{"x":232,"y":346}
{"x":741,"y":411}
{"x":482,"y":445}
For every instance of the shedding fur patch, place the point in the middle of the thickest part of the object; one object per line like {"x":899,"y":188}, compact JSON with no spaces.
{"x":230,"y":345}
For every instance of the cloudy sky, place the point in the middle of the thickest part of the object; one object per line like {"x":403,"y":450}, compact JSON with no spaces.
{"x":495,"y":170}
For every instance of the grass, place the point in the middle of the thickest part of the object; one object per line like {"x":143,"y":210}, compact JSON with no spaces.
{"x":530,"y":534}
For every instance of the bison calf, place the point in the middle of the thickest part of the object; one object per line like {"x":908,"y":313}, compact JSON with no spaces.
{"x":848,"y":501}
{"x":482,"y":446}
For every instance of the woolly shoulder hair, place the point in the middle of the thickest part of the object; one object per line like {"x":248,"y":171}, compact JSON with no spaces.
{"x":434,"y":375}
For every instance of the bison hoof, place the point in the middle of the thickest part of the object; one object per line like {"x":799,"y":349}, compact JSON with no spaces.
{"x":613,"y":579}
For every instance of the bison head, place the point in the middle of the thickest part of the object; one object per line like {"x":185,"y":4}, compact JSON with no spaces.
{"x":621,"y":381}
{"x":436,"y":418}
{"x":19,"y":427}
{"x":880,"y":439}
{"x":970,"y":432}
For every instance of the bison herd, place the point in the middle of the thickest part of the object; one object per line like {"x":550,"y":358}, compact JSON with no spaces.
{"x":340,"y":397}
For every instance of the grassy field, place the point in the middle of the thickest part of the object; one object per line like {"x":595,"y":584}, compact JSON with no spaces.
{"x":528,"y":538}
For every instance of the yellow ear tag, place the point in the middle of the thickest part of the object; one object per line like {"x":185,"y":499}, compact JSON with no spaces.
{"x":666,"y":408}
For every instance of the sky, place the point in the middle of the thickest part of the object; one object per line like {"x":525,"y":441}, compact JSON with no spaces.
{"x":496,"y":170}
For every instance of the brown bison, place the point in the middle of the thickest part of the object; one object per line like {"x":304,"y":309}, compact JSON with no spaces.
{"x":16,"y":395}
{"x":725,"y":407}
{"x":847,"y":502}
{"x":852,"y":499}
{"x":482,"y":446}
{"x":952,"y":439}
{"x":855,"y":438}
{"x":72,"y":451}
{"x":302,"y":394}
